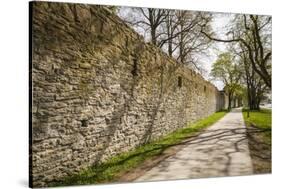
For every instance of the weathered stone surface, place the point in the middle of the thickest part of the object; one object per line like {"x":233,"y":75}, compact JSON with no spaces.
{"x":99,"y":90}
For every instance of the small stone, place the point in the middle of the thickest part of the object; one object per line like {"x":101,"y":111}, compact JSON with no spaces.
{"x":85,"y":66}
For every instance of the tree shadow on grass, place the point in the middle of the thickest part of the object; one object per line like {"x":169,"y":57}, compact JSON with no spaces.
{"x":260,"y":149}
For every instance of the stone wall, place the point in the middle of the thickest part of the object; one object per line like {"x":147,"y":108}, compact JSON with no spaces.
{"x":98,"y":90}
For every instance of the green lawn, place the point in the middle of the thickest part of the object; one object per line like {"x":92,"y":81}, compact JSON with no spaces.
{"x":113,"y":168}
{"x":260,"y":119}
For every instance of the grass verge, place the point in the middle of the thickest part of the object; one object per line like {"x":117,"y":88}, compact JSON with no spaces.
{"x":112,"y":169}
{"x":259,"y":139}
{"x":261,"y":120}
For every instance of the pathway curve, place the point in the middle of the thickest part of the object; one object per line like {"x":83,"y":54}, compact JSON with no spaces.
{"x":221,"y":150}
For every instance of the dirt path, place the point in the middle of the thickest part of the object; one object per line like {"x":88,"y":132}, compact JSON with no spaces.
{"x":222,"y":150}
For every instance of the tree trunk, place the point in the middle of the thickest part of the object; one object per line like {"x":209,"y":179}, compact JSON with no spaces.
{"x":169,"y":35}
{"x":229,"y":100}
{"x":170,"y":47}
{"x":153,"y":35}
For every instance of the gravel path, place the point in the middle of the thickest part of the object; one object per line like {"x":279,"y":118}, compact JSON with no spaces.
{"x":221,"y":150}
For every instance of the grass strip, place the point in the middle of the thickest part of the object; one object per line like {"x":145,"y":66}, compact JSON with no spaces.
{"x":260,"y":119}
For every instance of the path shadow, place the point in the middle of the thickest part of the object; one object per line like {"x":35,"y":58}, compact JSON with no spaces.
{"x":227,"y":143}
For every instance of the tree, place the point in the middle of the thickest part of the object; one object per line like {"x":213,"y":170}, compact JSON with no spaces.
{"x":253,"y":32}
{"x":230,"y":73}
{"x":254,"y":84}
{"x":149,"y":19}
{"x":191,"y":43}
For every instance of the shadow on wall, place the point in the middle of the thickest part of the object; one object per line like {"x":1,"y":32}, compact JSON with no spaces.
{"x":151,"y":106}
